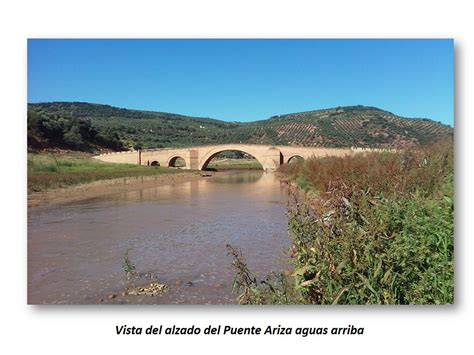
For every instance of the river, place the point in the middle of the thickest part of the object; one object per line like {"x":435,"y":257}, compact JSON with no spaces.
{"x":177,"y":232}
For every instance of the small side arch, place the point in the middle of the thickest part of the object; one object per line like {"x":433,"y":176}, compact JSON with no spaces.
{"x":155,"y":163}
{"x":176,"y":162}
{"x":294,"y":158}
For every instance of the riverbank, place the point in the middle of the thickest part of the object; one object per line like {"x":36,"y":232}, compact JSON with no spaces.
{"x":50,"y":171}
{"x":109,"y":186}
{"x":75,"y":176}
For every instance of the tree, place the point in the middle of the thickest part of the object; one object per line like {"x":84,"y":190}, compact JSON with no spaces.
{"x":73,"y":138}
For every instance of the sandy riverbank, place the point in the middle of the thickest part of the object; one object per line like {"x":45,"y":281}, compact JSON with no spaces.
{"x":105,"y":187}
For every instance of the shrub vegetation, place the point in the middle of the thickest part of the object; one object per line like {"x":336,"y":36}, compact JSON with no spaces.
{"x":374,"y":228}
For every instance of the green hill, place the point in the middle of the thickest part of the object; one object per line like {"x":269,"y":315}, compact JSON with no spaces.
{"x":92,"y":127}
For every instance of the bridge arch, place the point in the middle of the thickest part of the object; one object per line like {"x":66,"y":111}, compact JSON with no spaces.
{"x":293,"y":158}
{"x":174,"y":159}
{"x":155,"y":163}
{"x":205,"y":160}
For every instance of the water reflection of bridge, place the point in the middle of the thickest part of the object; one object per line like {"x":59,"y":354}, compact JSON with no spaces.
{"x":252,"y":182}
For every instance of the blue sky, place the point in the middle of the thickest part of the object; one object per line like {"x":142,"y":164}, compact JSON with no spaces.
{"x":246,"y":80}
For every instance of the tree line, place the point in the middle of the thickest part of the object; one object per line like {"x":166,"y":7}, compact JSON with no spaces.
{"x":55,"y":131}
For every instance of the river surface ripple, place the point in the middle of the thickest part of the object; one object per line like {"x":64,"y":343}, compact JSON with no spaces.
{"x":177,"y":232}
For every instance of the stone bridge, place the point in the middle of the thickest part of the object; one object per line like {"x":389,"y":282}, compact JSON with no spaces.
{"x":197,"y":158}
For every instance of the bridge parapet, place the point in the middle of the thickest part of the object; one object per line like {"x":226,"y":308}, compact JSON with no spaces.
{"x":125,"y":157}
{"x":113,"y":153}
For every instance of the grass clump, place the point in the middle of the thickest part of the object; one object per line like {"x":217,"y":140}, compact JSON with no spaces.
{"x":275,"y":289}
{"x":128,"y":266}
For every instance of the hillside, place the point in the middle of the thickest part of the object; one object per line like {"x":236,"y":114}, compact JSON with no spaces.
{"x":85,"y":126}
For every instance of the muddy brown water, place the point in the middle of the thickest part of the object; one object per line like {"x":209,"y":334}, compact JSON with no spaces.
{"x":176,"y":232}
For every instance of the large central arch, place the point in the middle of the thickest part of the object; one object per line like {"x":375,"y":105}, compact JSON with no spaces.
{"x":208,"y":157}
{"x":204,"y":161}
